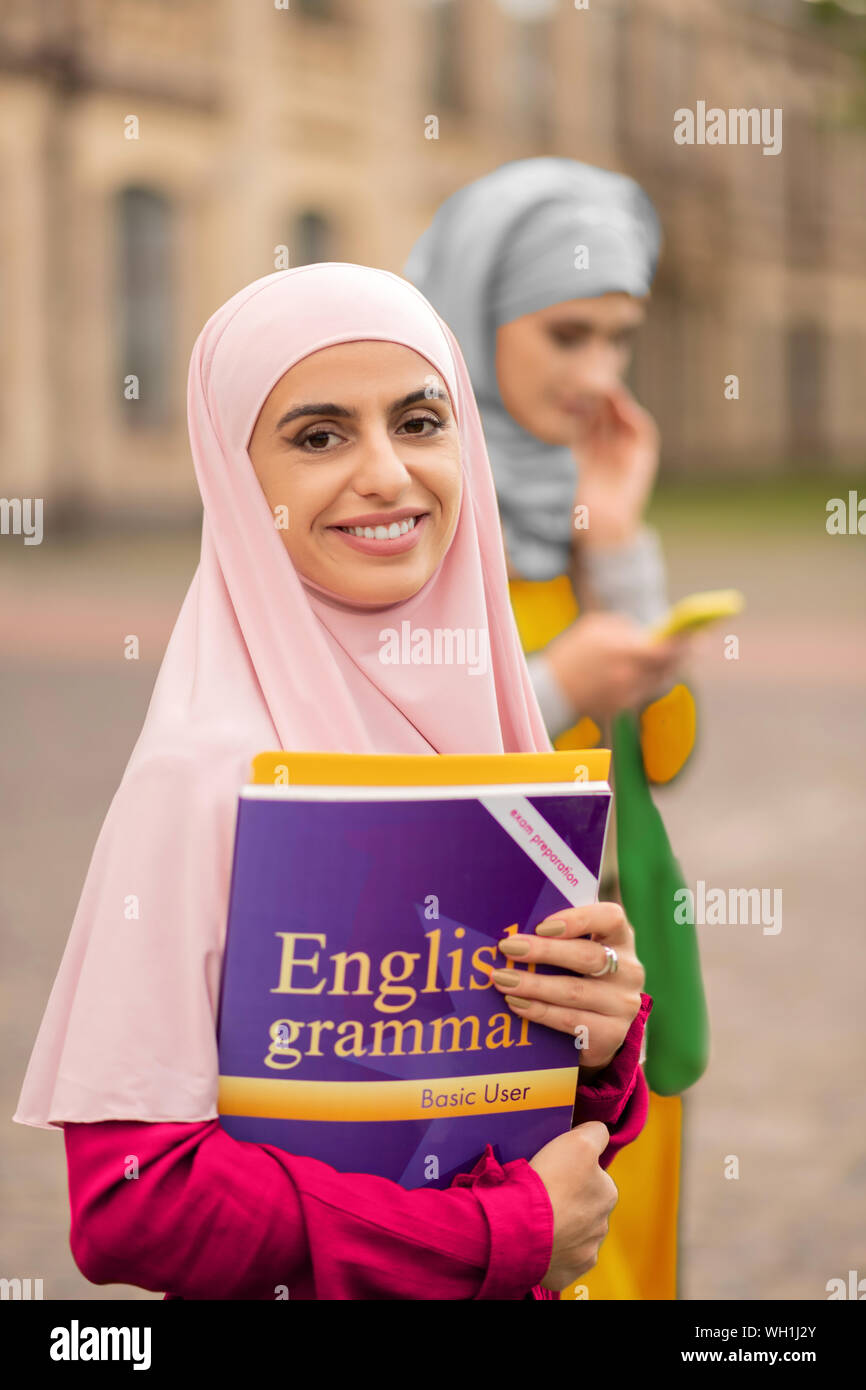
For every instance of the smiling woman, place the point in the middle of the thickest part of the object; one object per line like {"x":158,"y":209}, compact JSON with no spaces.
{"x":369,"y":481}
{"x":333,"y":394}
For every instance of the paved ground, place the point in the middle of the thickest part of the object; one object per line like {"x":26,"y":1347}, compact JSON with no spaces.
{"x":774,"y":799}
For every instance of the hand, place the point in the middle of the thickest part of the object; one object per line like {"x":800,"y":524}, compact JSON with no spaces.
{"x":617,"y":463}
{"x":582,"y":1196}
{"x":605,"y":1007}
{"x":606,"y":662}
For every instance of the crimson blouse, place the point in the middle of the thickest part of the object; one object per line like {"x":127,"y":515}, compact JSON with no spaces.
{"x":209,"y":1217}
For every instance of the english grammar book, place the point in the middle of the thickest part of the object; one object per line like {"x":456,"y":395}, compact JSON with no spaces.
{"x":358,"y":1022}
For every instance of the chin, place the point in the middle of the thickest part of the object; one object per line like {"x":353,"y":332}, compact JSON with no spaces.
{"x":554,"y":432}
{"x":397,"y":593}
{"x":385,"y":589}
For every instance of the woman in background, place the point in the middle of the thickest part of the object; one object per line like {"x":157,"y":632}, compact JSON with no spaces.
{"x":542,"y":270}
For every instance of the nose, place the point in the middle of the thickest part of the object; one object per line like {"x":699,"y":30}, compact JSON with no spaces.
{"x":380,"y":471}
{"x":597,"y":369}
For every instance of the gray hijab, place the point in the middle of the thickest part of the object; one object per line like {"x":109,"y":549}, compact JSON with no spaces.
{"x":505,"y":246}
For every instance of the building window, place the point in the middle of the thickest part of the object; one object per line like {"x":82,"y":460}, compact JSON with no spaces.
{"x":806,"y":192}
{"x":805,"y":390}
{"x":311,"y":239}
{"x":144,"y":301}
{"x":530,"y":69}
{"x":445,"y":61}
{"x":532,"y":79}
{"x":316,"y":9}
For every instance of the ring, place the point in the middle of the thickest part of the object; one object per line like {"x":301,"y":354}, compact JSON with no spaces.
{"x":611,"y":964}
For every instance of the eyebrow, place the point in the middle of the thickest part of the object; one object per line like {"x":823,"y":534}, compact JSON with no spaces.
{"x":329,"y":408}
{"x":577,"y":323}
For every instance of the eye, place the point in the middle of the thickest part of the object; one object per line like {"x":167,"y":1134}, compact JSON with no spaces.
{"x":624,"y":338}
{"x":315,"y":441}
{"x":569,"y":337}
{"x":422,"y":420}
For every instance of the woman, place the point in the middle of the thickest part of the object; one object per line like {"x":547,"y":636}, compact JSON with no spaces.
{"x":542,"y":269}
{"x":320,"y":400}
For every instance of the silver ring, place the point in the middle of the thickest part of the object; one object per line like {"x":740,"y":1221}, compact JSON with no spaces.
{"x":611,"y":964}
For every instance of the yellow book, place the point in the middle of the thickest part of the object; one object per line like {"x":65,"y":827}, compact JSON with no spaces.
{"x":444,"y":769}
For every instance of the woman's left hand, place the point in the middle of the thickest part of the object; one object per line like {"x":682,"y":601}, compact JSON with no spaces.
{"x":603,"y":1008}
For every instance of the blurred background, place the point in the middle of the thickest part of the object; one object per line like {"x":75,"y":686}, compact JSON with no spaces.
{"x":156,"y":156}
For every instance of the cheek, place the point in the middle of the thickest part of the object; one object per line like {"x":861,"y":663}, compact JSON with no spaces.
{"x":529,"y":368}
{"x":300,"y":493}
{"x":553,"y":364}
{"x":448,"y":486}
{"x":512,"y":386}
{"x":455,"y":478}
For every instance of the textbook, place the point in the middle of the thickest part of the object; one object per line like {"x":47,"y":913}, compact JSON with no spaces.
{"x":358,"y":1023}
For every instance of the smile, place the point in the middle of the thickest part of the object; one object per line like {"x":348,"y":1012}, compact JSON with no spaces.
{"x":381,"y":533}
{"x":391,"y":538}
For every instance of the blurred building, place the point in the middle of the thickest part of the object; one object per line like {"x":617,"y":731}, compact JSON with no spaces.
{"x":156,"y":155}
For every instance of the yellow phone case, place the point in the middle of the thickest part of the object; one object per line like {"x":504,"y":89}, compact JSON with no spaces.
{"x":697,"y":610}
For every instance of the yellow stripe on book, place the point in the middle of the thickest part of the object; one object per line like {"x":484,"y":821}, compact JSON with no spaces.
{"x":443,"y":769}
{"x":493,"y":1094}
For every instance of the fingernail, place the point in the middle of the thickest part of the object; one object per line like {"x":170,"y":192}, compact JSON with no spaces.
{"x":505,"y":977}
{"x":516,"y":1003}
{"x":514,"y":948}
{"x":550,"y":929}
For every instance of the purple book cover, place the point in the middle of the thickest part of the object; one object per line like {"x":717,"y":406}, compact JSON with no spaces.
{"x":358,"y":1023}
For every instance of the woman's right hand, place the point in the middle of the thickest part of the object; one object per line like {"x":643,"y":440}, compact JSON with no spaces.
{"x":582,"y":1196}
{"x":607,"y":662}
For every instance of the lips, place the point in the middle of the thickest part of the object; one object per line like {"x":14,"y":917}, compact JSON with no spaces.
{"x":373,"y":536}
{"x":381,"y":532}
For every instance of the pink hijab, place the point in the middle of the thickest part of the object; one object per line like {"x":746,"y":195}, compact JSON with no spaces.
{"x":258,"y":660}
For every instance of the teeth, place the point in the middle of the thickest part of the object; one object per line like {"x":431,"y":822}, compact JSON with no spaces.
{"x":382,"y":533}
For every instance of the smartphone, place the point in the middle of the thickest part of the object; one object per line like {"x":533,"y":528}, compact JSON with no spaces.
{"x":697,"y":610}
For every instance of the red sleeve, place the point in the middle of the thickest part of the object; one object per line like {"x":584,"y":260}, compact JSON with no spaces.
{"x":209,"y":1217}
{"x":618,"y":1096}
{"x":185,"y":1208}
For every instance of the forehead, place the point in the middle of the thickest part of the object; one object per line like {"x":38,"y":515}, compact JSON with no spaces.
{"x":369,"y":371}
{"x":605,"y":310}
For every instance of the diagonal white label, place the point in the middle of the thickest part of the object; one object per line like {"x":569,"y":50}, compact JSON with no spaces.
{"x":538,"y":839}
